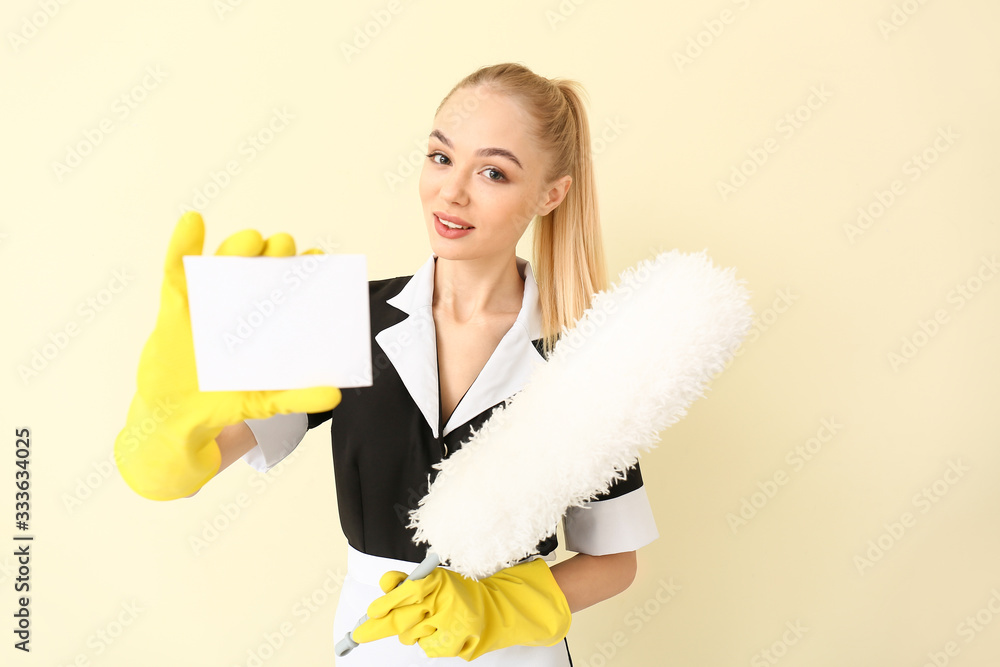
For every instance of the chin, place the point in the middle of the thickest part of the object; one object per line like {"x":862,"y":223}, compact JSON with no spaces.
{"x":443,"y":251}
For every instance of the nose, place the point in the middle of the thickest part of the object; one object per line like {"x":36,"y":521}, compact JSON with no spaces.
{"x":455,"y":187}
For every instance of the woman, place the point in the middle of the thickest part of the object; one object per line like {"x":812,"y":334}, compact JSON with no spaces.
{"x":506,"y":147}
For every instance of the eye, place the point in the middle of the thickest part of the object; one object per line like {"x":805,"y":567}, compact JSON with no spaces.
{"x":435,"y":154}
{"x":496,"y":171}
{"x":499,"y":178}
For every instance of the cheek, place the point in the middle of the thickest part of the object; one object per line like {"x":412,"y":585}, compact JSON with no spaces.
{"x":511,"y":209}
{"x":525,"y":204}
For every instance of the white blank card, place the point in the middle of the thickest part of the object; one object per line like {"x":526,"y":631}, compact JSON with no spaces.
{"x":264,"y":323}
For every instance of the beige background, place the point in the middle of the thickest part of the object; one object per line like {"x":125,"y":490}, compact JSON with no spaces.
{"x":835,"y":303}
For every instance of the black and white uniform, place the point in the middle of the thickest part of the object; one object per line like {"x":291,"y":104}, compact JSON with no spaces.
{"x":387,"y":437}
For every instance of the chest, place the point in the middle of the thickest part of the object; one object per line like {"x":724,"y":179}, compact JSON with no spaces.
{"x":463,"y":350}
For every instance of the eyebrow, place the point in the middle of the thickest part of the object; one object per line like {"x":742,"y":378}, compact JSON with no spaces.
{"x":482,"y":152}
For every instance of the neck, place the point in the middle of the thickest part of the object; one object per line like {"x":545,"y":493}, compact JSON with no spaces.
{"x":466,"y":289}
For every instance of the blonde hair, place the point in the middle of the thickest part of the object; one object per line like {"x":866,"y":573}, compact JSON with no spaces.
{"x":568,"y":262}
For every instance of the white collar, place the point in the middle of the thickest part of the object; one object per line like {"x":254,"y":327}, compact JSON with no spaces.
{"x":419,"y":293}
{"x":411,"y":346}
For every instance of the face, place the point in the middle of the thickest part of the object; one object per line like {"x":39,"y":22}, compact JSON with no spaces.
{"x":486,"y":173}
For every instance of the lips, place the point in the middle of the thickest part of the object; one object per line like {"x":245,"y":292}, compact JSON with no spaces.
{"x":453,"y":219}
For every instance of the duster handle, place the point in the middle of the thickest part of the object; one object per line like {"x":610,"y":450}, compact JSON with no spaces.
{"x":347,"y":644}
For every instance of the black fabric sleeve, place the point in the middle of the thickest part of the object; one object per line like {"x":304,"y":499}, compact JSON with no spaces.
{"x":317,"y":418}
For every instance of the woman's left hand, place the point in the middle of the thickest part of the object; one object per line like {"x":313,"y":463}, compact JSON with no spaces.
{"x":452,"y":616}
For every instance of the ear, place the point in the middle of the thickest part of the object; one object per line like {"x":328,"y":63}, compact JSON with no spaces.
{"x":555,"y":194}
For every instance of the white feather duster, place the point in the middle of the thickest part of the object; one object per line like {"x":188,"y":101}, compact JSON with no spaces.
{"x":629,"y":368}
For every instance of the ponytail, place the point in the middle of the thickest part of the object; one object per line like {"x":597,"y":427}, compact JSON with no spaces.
{"x":569,"y":254}
{"x":568,"y":262}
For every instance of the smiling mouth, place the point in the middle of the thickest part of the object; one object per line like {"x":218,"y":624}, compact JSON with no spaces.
{"x":451,"y":225}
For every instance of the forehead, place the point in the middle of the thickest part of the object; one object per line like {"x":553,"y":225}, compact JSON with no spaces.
{"x":476,"y":117}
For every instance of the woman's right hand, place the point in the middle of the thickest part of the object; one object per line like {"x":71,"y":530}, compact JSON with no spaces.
{"x":167,"y":449}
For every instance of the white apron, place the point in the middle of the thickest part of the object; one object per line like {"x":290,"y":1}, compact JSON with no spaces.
{"x":361,"y":588}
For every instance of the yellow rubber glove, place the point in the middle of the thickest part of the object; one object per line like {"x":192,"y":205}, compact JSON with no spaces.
{"x":167,"y":449}
{"x":450,"y":615}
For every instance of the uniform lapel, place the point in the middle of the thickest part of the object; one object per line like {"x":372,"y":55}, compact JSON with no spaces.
{"x":411,"y":346}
